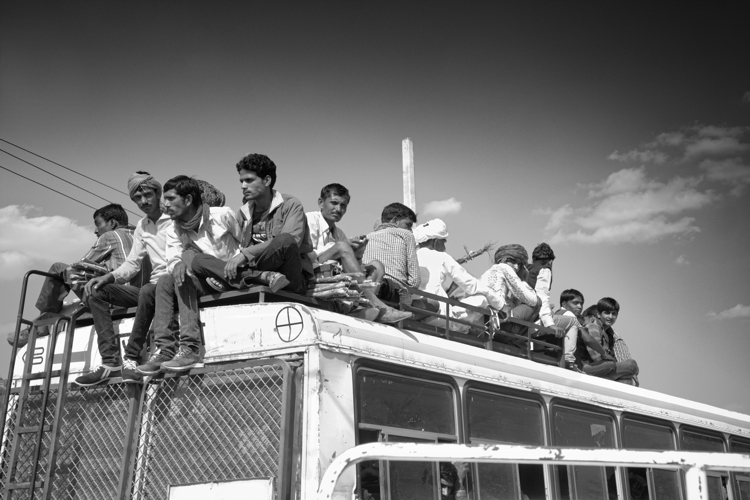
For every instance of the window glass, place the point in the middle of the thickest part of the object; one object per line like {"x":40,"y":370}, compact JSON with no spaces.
{"x":715,"y":489}
{"x":572,"y":427}
{"x":498,"y":481}
{"x":744,"y":485}
{"x":692,"y":441}
{"x":394,"y":401}
{"x":411,"y":480}
{"x":738,"y":446}
{"x":505,"y":419}
{"x":646,"y":436}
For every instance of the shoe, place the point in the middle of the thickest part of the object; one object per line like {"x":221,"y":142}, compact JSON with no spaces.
{"x":391,"y":315}
{"x":185,"y":359}
{"x":217,"y":285}
{"x":276,"y":281}
{"x":23,"y":337}
{"x":573,"y":367}
{"x":130,"y":373}
{"x":153,"y":365}
{"x":102,"y":373}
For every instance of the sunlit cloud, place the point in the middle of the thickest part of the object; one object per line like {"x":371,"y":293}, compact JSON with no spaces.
{"x":731,"y":171}
{"x":738,"y":311}
{"x":682,"y":261}
{"x":442,"y":207}
{"x":28,"y":241}
{"x":629,"y":207}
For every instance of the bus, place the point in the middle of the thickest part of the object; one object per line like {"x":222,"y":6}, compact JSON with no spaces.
{"x":287,"y":385}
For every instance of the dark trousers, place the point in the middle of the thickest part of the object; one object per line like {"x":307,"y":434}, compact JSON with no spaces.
{"x":54,"y":291}
{"x":280,"y":255}
{"x":123,"y":296}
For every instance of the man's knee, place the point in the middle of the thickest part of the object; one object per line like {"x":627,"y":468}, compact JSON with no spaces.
{"x":58,"y":268}
{"x":147,"y":294}
{"x":630,"y":365}
{"x":286,"y":240}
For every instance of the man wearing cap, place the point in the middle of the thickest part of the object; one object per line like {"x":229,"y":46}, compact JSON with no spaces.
{"x":506,"y":278}
{"x":438,"y":271}
{"x":149,"y":246}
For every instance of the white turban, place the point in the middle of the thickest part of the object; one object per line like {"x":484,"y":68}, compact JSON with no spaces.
{"x":432,"y":230}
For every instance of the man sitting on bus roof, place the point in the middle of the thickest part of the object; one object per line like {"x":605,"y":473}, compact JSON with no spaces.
{"x":331,"y":244}
{"x":149,"y":251}
{"x":506,"y":278}
{"x":114,"y":240}
{"x":393,"y":244}
{"x":439,"y":272}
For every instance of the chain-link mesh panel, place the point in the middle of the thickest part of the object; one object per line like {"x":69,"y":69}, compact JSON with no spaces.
{"x":7,"y":439}
{"x":92,"y":439}
{"x":212,"y":426}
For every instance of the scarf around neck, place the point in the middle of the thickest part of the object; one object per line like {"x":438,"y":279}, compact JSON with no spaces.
{"x":203,"y":213}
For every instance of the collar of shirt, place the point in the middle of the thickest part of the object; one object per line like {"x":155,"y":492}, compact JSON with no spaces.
{"x":249,"y":207}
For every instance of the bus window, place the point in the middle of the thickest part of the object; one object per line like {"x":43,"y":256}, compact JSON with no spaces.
{"x":584,"y":429}
{"x":650,"y":484}
{"x":397,"y":408}
{"x":737,"y":445}
{"x":496,"y":418}
{"x":696,"y":440}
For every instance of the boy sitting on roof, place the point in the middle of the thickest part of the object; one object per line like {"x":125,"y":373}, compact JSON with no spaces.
{"x":331,"y":244}
{"x":599,"y":320}
{"x":438,"y":271}
{"x":393,"y":244}
{"x":506,"y":278}
{"x":114,"y":240}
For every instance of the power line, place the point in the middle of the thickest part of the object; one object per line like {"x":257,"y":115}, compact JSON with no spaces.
{"x":63,"y":166}
{"x":64,"y":180}
{"x":44,"y":185}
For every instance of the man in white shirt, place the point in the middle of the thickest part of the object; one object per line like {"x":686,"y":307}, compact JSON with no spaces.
{"x":149,"y":245}
{"x":331,"y":244}
{"x":438,"y":271}
{"x":197,"y":229}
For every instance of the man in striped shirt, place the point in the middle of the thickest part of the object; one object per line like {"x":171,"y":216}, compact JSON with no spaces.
{"x":114,"y":240}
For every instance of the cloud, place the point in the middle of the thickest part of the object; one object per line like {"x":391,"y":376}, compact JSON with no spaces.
{"x":28,"y":242}
{"x":628,"y":207}
{"x":682,"y":261}
{"x":731,"y":171}
{"x":746,"y":97}
{"x":738,"y":311}
{"x":695,"y":141}
{"x":442,"y":207}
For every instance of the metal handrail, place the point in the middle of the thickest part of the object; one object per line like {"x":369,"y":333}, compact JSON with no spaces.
{"x":694,"y":464}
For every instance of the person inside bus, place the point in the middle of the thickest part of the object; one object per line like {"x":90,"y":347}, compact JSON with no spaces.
{"x":439,"y":272}
{"x":598,"y":321}
{"x":393,"y":244}
{"x":507,"y":279}
{"x":148,"y":251}
{"x":330,"y":244}
{"x":113,"y":243}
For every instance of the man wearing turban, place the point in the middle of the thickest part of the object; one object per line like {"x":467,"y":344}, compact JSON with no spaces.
{"x":148,"y":255}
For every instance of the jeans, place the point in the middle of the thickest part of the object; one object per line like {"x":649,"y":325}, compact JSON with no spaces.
{"x":54,"y":291}
{"x":165,"y":338}
{"x":612,"y":370}
{"x":280,"y":255}
{"x":123,"y":296}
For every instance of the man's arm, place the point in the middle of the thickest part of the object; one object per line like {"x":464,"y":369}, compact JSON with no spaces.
{"x":174,"y":250}
{"x":412,"y":262}
{"x":518,"y":288}
{"x":542,"y":287}
{"x":593,"y":344}
{"x":102,"y":249}
{"x":463,"y":278}
{"x":134,"y":261}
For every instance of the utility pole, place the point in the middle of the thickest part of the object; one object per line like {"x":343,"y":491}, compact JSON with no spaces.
{"x":410,"y":189}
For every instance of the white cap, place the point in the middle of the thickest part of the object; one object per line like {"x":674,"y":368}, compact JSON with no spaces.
{"x":434,"y":229}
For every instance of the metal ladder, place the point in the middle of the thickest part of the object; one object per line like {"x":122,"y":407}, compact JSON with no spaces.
{"x":39,"y":428}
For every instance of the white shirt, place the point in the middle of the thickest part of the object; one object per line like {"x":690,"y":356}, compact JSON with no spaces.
{"x":149,"y":238}
{"x":543,"y":280}
{"x":502,"y":279}
{"x":438,"y":270}
{"x":224,"y":244}
{"x":323,"y":236}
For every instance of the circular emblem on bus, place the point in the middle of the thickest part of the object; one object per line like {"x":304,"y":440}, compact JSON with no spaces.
{"x":289,"y":324}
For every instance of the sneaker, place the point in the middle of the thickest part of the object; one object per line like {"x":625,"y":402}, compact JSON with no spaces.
{"x":98,"y":376}
{"x":23,"y":337}
{"x":217,"y":285}
{"x":573,"y":367}
{"x":130,"y":373}
{"x":185,"y":359}
{"x":153,"y":365}
{"x":276,"y":281}
{"x":391,"y":315}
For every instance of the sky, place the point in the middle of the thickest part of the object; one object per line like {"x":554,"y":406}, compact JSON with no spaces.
{"x":617,"y":133}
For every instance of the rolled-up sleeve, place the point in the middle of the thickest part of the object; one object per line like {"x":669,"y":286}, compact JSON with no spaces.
{"x":543,"y":280}
{"x":174,"y":249}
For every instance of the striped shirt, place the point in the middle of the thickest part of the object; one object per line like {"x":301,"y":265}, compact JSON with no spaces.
{"x":396,"y":248}
{"x":112,"y":248}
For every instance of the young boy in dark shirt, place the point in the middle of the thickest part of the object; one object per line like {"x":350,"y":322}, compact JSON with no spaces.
{"x":598,"y":321}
